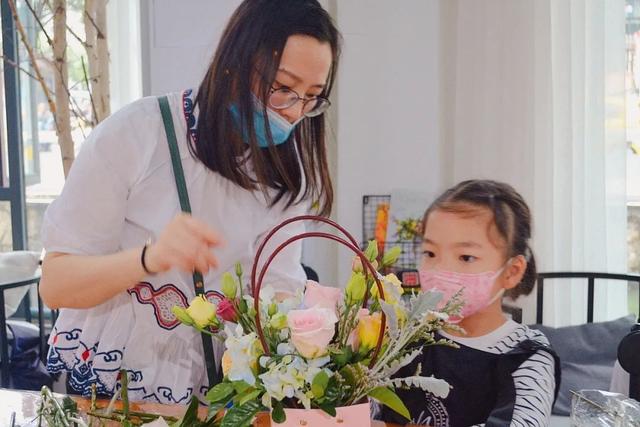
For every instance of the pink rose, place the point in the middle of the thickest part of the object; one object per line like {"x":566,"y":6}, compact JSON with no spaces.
{"x":319,"y":296}
{"x":227,"y":311}
{"x":312,"y":330}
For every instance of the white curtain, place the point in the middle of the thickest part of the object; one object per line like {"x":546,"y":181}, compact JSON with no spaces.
{"x":533,"y":94}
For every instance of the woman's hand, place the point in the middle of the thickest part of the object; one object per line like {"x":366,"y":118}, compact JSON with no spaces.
{"x":185,"y":243}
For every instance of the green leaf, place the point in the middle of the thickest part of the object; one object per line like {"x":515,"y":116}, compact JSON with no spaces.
{"x":69,"y":405}
{"x":190,"y":417}
{"x":220,"y":392}
{"x":249,"y":396}
{"x":182,"y":315}
{"x":240,"y":386}
{"x":319,"y":384}
{"x":342,"y":357}
{"x":333,"y":394}
{"x":389,"y":398}
{"x":241,"y":415}
{"x":277,"y":413}
{"x":242,"y":306}
{"x":348,"y":375}
{"x":214,"y":408}
{"x":329,"y":409}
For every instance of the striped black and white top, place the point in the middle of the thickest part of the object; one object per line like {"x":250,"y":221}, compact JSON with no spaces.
{"x":534,"y":379}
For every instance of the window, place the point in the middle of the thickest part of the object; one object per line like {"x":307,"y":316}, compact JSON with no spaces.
{"x":37,"y":142}
{"x":633,"y":140}
{"x":44,"y":177}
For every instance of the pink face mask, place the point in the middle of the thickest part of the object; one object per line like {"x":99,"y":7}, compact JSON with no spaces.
{"x":476,"y":288}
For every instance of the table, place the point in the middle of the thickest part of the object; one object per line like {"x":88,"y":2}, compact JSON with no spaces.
{"x":11,"y":278}
{"x":25,"y":406}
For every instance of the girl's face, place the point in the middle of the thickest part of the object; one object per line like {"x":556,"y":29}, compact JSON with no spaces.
{"x":461,"y":242}
{"x":466,"y":242}
{"x":304,"y":68}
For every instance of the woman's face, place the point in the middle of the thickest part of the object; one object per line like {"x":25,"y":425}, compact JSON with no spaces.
{"x":304,"y":68}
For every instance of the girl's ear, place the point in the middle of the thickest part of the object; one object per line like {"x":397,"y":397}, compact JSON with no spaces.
{"x":514,"y":271}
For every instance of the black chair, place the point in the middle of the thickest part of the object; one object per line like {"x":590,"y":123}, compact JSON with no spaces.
{"x":628,"y":351}
{"x":591,"y":280}
{"x":310,"y":273}
{"x":5,"y":284}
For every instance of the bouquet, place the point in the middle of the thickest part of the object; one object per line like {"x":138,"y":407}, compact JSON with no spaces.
{"x":324,"y":351}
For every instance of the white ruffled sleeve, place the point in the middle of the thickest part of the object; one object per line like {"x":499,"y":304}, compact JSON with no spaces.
{"x":88,"y":217}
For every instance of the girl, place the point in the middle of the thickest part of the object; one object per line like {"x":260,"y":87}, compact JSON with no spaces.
{"x":476,"y":240}
{"x":251,"y":146}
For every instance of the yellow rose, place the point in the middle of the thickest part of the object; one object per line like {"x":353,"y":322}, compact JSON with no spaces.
{"x":227,"y":363}
{"x":392,"y":287}
{"x":202,"y":311}
{"x":369,"y":330}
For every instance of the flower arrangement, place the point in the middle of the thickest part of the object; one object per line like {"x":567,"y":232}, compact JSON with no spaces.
{"x":408,"y":228}
{"x":324,"y":348}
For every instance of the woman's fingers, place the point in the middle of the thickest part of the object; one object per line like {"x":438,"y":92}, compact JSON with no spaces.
{"x":203,"y":231}
{"x":186,"y":243}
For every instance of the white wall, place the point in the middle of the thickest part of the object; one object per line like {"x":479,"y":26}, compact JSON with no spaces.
{"x":387,"y":102}
{"x":178,"y":39}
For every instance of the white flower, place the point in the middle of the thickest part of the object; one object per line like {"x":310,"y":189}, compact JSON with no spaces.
{"x":291,"y":377}
{"x":433,"y":315}
{"x":285,"y":348}
{"x":241,"y":350}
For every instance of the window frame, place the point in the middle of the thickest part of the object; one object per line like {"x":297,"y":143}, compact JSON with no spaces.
{"x":13,"y":191}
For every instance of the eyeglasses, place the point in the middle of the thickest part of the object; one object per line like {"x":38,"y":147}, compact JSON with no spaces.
{"x":283,"y":98}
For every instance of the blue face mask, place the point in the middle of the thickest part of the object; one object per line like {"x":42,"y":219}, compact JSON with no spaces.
{"x":280,"y":128}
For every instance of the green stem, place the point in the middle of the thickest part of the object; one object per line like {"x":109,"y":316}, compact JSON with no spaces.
{"x":93,"y":397}
{"x":239,"y":276}
{"x":124,"y":378}
{"x":112,"y":402}
{"x":148,"y":416}
{"x":112,"y":418}
{"x":47,"y":394}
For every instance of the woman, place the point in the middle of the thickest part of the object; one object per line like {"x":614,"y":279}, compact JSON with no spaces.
{"x":252,"y":145}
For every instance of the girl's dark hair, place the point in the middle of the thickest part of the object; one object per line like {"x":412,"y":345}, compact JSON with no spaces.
{"x":511,"y":217}
{"x":249,"y":52}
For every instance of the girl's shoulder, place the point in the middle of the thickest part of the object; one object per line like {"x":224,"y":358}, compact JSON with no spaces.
{"x":515,"y":334}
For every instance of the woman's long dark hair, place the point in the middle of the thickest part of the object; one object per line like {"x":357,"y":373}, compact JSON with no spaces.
{"x":251,"y":47}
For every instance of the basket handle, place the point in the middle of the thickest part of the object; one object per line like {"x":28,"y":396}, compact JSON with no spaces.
{"x":298,"y":218}
{"x":257,"y":285}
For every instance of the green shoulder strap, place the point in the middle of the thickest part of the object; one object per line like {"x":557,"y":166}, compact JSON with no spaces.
{"x":183,"y":195}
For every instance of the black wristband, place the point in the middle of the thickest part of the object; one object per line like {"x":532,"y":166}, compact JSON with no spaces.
{"x":144,"y":264}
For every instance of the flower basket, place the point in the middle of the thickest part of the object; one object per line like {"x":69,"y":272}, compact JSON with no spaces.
{"x":311,"y":359}
{"x":351,"y":243}
{"x":354,"y":415}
